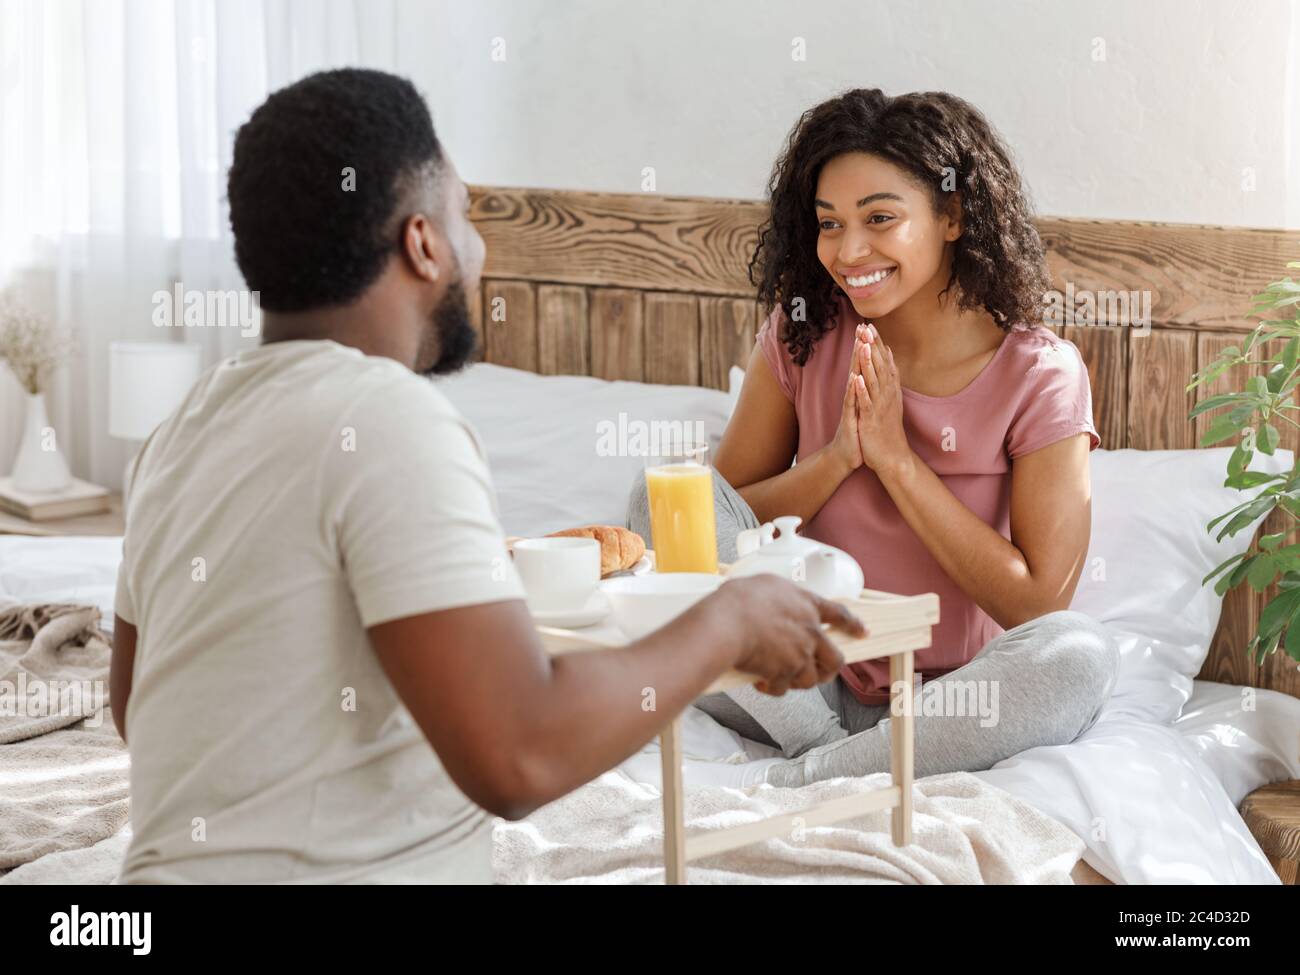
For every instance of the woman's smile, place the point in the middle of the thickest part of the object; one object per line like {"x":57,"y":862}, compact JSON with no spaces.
{"x":864,"y":282}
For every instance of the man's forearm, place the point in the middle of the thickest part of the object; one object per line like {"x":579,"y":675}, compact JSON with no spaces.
{"x":601,"y":707}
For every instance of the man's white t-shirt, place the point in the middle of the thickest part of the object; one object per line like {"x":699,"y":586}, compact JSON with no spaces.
{"x":303,"y":492}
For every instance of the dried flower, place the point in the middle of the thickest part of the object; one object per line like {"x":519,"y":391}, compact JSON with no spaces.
{"x":30,"y":344}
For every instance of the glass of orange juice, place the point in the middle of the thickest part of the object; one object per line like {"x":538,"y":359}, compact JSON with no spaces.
{"x":682,"y":527}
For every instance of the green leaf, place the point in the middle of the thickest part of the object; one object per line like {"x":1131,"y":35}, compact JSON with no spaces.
{"x":1268,"y":439}
{"x":1270,"y":542}
{"x":1243,"y":411}
{"x":1209,"y":374}
{"x":1250,"y":479}
{"x":1265,"y":647}
{"x":1276,"y":377}
{"x":1261,"y":573}
{"x":1221,"y":566}
{"x":1255,"y":478}
{"x":1247,"y":516}
{"x":1279,"y":609}
{"x":1214,"y":402}
{"x":1240,"y":571}
{"x":1222,"y":428}
{"x":1293,"y":641}
{"x":1290,"y":354}
{"x":1257,"y":385}
{"x":1232,"y":511}
{"x":1238,"y":460}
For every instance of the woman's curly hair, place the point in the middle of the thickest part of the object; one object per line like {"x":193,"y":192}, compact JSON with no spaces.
{"x":940,"y":141}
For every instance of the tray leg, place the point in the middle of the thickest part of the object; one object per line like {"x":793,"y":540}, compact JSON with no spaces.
{"x":900,"y":740}
{"x":670,"y":748}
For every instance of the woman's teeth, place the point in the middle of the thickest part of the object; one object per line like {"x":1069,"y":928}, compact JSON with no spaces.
{"x":869,"y":279}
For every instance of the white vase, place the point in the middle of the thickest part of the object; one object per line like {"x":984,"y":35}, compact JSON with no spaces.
{"x":39,"y":467}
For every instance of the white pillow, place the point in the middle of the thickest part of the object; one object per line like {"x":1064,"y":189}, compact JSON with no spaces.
{"x":1146,"y":557}
{"x":557,"y":446}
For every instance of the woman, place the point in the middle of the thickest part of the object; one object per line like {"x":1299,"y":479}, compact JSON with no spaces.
{"x":940,"y":438}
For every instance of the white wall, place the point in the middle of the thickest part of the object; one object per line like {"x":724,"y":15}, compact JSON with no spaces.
{"x":1192,"y":93}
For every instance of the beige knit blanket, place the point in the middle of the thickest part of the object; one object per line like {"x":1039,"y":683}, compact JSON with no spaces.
{"x":64,"y":772}
{"x":964,"y":831}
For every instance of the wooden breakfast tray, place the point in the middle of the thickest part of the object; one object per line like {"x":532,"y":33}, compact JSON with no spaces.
{"x":897,"y":626}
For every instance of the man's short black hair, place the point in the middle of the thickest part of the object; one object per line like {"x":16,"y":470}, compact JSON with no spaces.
{"x":307,"y":235}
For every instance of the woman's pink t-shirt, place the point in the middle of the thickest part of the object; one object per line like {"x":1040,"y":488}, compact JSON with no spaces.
{"x":1032,"y":393}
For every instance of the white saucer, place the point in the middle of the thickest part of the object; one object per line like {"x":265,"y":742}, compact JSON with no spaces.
{"x":641,"y":567}
{"x":597,"y":609}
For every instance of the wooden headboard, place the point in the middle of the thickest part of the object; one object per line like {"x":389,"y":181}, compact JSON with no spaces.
{"x":654,"y":289}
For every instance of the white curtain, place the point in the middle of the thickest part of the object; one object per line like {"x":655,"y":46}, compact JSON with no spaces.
{"x":117,"y":119}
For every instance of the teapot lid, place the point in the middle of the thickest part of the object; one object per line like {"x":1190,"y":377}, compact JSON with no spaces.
{"x":789,"y":541}
{"x":760,"y":541}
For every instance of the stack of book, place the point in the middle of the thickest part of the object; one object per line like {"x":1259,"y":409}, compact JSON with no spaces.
{"x":81,"y":498}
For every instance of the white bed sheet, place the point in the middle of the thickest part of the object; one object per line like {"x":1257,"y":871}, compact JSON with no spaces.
{"x":1154,"y":802}
{"x":80,"y":569}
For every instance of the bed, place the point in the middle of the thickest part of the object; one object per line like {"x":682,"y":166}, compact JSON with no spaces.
{"x":1164,"y":733}
{"x":619,"y":309}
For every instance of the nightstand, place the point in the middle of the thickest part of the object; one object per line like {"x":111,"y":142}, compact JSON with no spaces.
{"x":109,"y":522}
{"x":1273,"y":815}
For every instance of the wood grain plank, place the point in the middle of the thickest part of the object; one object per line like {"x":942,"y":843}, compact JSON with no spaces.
{"x":617,"y":333}
{"x":1227,"y":661}
{"x":727,"y":329}
{"x":510,"y":323}
{"x":562,"y":330}
{"x":1208,"y":347}
{"x":1105,"y":352}
{"x":1279,"y":673}
{"x":1161,"y":364}
{"x":474,"y":301}
{"x":672,"y":339}
{"x":1195,"y":276}
{"x":620,"y":239}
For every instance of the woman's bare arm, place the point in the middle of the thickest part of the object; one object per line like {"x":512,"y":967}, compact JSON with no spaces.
{"x":760,"y":444}
{"x":1036,"y":571}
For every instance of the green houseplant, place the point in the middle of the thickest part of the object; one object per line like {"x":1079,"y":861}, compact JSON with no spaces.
{"x":1254,"y":415}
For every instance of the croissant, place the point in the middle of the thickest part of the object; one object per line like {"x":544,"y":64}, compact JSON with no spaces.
{"x":620,"y":548}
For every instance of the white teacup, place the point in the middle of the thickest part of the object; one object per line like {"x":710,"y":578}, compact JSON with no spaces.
{"x":559,"y":574}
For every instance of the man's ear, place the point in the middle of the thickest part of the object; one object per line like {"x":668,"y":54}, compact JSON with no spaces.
{"x":420,"y":247}
{"x":952,"y":211}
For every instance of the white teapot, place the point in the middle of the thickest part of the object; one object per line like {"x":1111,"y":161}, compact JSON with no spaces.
{"x":825,"y":570}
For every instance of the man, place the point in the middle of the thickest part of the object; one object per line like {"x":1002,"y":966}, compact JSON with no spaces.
{"x":323,"y":662}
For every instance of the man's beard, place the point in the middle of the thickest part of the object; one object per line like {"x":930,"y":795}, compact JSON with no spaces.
{"x":449,"y":334}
